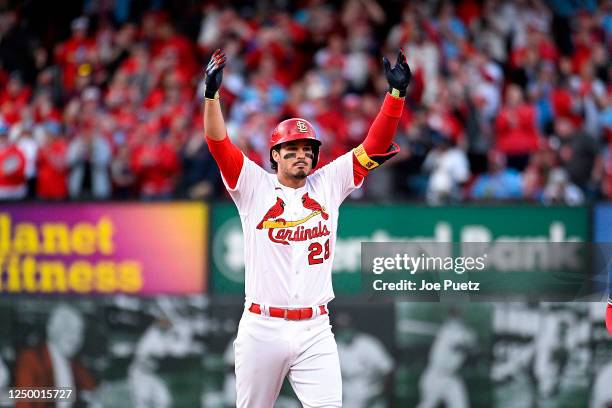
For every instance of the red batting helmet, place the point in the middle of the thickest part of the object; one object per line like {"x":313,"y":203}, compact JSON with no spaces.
{"x":295,"y":129}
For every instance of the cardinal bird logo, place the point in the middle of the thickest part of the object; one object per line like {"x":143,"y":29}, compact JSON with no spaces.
{"x":276,"y":210}
{"x":281,"y":231}
{"x":312,"y":205}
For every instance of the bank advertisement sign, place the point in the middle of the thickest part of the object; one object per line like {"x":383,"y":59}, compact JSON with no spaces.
{"x":131,"y":248}
{"x":402,"y":223}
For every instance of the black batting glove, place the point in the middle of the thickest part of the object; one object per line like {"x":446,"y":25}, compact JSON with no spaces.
{"x":399,"y":76}
{"x":214,"y":75}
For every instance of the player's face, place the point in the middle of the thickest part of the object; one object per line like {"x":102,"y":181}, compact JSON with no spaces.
{"x":294,"y":159}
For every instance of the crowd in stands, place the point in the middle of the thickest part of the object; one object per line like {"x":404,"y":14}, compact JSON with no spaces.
{"x":510,"y":100}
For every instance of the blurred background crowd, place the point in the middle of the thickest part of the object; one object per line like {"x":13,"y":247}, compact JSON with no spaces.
{"x":510,"y":100}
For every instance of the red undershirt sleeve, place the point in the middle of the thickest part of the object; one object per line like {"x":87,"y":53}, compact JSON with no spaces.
{"x":228,"y":157}
{"x":381,"y":132}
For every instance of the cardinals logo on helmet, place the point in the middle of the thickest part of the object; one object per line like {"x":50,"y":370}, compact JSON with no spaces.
{"x":301,"y":126}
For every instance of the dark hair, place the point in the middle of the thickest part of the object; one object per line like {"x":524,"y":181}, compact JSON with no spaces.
{"x":273,"y":163}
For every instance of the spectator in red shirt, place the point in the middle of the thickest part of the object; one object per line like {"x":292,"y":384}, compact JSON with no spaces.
{"x":14,"y":98}
{"x":306,"y":61}
{"x":12,"y":167}
{"x":536,"y":174}
{"x":516,"y":129}
{"x":52,"y":164}
{"x":539,"y":42}
{"x":75,"y":53}
{"x":172,"y":42}
{"x":333,"y":57}
{"x":44,"y":109}
{"x":566,"y":103}
{"x":156,"y":166}
{"x":137,"y":65}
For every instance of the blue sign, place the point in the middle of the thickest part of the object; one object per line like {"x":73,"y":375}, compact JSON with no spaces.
{"x":602,"y":230}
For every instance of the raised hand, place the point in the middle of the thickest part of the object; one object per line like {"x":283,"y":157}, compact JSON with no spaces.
{"x":214,"y":74}
{"x":398,"y":76}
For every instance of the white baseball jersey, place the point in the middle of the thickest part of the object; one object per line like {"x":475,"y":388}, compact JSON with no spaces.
{"x":290,"y":234}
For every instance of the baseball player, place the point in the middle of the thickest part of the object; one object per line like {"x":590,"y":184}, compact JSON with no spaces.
{"x":289,"y":221}
{"x":602,"y":393}
{"x":440,"y":382}
{"x":365,"y":365}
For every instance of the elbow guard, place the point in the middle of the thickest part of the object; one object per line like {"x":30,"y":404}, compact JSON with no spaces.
{"x":371,"y":161}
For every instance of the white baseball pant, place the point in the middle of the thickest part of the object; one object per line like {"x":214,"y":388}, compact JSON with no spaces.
{"x":268,"y":349}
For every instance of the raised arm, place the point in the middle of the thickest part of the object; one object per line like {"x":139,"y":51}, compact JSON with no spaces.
{"x":226,"y":154}
{"x":214,"y":125}
{"x":378,"y":145}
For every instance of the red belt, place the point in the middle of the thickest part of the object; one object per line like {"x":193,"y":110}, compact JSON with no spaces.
{"x":288,"y":314}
